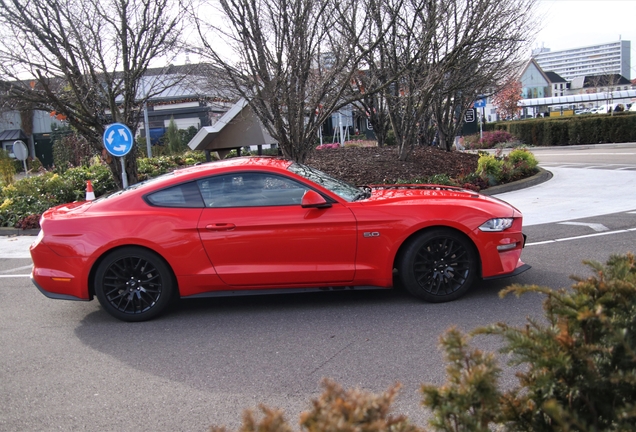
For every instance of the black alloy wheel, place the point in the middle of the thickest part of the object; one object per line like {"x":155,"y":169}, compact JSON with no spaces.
{"x":133,"y":284}
{"x":438,"y":265}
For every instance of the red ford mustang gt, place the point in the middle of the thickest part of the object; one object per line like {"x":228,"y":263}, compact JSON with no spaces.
{"x":259,"y":225}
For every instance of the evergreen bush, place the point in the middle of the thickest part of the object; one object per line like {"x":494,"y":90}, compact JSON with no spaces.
{"x":582,"y":129}
{"x":490,"y":167}
{"x":7,"y":168}
{"x":577,"y":371}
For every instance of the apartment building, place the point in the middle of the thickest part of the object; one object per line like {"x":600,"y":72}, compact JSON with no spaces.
{"x":602,"y":59}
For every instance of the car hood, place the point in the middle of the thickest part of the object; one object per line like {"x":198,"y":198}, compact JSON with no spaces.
{"x":417,"y":194}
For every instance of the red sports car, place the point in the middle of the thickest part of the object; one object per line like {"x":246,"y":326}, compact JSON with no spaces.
{"x":263,"y":225}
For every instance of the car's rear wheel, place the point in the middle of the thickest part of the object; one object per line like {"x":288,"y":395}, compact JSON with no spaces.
{"x":438,"y":265}
{"x":133,"y":284}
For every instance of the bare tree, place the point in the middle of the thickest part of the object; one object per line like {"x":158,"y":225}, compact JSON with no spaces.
{"x":298,"y":61}
{"x":366,"y":89}
{"x":480,"y":43}
{"x":85,"y":60}
{"x":400,"y":66}
{"x":440,"y":55}
{"x":292,"y":60}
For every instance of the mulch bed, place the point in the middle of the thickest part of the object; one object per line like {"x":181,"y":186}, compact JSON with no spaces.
{"x":376,"y":165}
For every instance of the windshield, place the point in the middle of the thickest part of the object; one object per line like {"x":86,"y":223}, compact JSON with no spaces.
{"x":342,"y":189}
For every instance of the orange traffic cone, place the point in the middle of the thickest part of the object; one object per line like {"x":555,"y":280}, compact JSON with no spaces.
{"x":90,"y":195}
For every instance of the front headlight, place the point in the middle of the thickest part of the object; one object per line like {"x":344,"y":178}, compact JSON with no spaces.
{"x":498,"y":224}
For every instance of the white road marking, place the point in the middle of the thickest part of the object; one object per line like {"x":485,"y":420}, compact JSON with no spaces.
{"x":17,"y":268}
{"x":14,"y":276}
{"x":583,"y":154}
{"x":581,"y":237}
{"x":595,"y":226}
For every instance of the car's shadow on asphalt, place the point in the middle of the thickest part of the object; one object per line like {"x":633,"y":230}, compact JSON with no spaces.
{"x":287,"y":342}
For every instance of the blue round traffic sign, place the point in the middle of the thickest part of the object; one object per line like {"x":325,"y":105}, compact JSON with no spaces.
{"x":118,"y":139}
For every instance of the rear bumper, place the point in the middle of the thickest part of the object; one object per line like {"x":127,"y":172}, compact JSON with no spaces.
{"x":56,"y":296}
{"x":58,"y":277}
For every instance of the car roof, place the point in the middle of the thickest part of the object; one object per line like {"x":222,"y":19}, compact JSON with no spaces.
{"x":244,"y":162}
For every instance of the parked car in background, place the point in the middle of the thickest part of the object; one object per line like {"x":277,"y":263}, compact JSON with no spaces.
{"x":608,"y":108}
{"x":268,"y":225}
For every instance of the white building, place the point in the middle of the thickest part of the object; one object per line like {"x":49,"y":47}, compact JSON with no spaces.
{"x":602,"y":59}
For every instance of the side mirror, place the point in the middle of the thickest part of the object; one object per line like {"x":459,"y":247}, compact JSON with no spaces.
{"x":312,"y":199}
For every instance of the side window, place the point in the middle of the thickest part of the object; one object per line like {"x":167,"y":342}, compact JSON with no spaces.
{"x":184,"y":195}
{"x":250,"y":189}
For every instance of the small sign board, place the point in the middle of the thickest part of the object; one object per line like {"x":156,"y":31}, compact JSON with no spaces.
{"x":470,"y":124}
{"x":118,"y":139}
{"x":480,"y":103}
{"x":20,"y":150}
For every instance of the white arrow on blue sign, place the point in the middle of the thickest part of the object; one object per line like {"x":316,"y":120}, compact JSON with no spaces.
{"x":480,"y":103}
{"x":118,"y":139}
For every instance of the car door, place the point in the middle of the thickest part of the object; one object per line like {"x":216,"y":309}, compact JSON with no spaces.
{"x":255,"y":232}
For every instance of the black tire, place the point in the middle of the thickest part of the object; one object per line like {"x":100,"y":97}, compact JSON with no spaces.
{"x":438,"y":265}
{"x":134,"y":284}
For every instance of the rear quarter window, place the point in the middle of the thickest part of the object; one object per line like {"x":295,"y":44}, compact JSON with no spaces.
{"x":185,"y":195}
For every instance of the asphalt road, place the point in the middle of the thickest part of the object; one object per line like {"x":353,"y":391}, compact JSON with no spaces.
{"x":70,"y":366}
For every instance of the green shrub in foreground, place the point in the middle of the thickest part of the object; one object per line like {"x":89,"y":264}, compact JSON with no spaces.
{"x":578,"y":371}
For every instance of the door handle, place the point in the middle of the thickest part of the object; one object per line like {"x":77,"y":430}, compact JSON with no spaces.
{"x":220,"y":227}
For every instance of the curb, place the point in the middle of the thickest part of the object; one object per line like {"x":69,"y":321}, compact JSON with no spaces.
{"x":13,"y":232}
{"x":538,"y":178}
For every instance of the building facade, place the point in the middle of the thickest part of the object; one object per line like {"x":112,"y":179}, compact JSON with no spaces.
{"x":602,"y":59}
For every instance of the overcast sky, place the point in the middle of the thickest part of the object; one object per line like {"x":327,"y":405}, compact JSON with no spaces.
{"x":575,"y":23}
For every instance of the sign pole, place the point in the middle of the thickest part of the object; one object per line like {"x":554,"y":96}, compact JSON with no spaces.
{"x":124,"y":177}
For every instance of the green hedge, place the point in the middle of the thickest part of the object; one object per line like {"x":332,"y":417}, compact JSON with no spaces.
{"x":561,"y":131}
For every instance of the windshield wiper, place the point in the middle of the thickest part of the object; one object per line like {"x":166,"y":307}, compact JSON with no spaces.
{"x":365,"y":192}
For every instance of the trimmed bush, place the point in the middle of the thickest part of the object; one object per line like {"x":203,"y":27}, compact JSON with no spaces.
{"x":490,"y":167}
{"x":583,"y":129}
{"x":518,"y":164}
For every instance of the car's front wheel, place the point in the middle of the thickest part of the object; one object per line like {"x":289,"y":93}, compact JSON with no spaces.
{"x":438,"y":265}
{"x":133,"y":284}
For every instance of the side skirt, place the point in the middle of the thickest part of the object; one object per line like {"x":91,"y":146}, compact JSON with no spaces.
{"x":234,"y":293}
